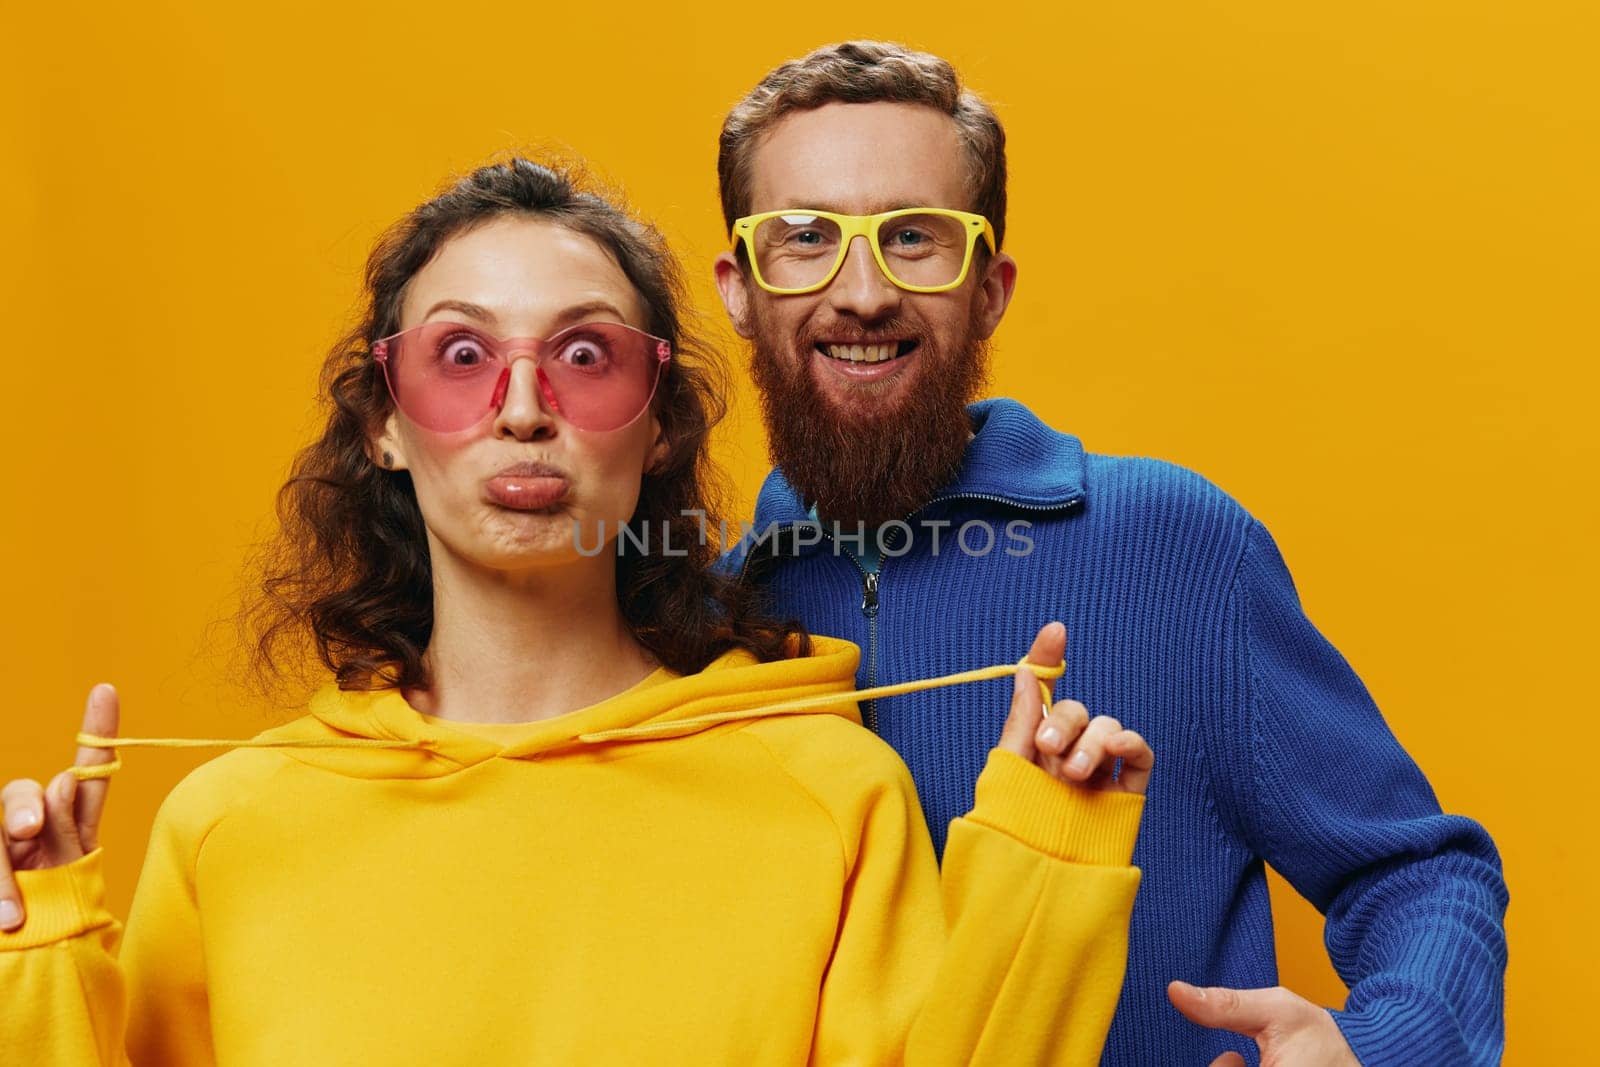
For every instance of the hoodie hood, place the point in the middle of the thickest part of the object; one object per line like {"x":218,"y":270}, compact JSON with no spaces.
{"x":731,"y":689}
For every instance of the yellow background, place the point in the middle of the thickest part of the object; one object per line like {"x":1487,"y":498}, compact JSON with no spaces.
{"x":1337,"y":257}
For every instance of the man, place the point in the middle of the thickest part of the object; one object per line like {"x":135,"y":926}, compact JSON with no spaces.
{"x":937,"y":533}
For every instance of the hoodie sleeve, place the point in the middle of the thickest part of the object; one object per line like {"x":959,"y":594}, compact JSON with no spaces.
{"x":82,"y":990}
{"x":65,"y":995}
{"x":1014,"y":954}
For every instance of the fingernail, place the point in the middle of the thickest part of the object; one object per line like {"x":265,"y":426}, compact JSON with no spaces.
{"x":26,"y":819}
{"x":10,"y":914}
{"x":1080,"y":762}
{"x":1050,"y":737}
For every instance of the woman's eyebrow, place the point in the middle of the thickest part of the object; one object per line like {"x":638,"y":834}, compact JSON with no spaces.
{"x":474,"y":311}
{"x":579,"y":312}
{"x":565,"y":317}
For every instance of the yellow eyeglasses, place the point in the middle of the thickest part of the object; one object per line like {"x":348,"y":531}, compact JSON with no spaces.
{"x":920,"y":249}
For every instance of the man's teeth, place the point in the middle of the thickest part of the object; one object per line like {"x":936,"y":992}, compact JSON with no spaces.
{"x":864,"y":353}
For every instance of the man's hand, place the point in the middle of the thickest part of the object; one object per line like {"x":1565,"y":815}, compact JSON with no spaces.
{"x":1286,"y":1027}
{"x":1066,"y":743}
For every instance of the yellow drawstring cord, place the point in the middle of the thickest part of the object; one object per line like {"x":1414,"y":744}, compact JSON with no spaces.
{"x":1000,"y":670}
{"x":106,"y":770}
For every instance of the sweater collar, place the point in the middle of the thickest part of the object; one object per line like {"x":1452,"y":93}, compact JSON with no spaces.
{"x":1013,"y":457}
{"x":733,"y":688}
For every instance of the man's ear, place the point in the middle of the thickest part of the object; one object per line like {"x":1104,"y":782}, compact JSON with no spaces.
{"x":735,"y":290}
{"x":384,"y":447}
{"x":994,"y":292}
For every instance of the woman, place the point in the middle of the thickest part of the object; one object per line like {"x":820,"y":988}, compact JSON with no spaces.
{"x":532,"y":818}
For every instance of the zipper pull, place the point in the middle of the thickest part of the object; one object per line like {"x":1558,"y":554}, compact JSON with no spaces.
{"x":869,"y":594}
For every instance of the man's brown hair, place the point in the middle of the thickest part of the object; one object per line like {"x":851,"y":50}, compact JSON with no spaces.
{"x":865,"y":72}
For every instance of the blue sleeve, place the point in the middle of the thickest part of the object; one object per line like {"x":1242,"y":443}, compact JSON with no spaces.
{"x":1320,"y":788}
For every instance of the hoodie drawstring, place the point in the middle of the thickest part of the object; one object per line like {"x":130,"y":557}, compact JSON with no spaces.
{"x":999,"y":670}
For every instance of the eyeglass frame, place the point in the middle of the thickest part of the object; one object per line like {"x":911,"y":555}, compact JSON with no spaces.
{"x":541,"y":348}
{"x":853,"y":226}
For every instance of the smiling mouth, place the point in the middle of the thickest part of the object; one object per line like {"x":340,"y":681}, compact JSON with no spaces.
{"x":873,"y":353}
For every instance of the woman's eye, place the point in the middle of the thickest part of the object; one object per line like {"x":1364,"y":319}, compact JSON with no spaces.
{"x":583,"y":352}
{"x":463,"y":352}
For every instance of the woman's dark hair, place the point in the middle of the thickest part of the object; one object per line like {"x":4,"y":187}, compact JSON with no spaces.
{"x":348,"y":572}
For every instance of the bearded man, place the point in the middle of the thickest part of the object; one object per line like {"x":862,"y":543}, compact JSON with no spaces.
{"x":865,"y":194}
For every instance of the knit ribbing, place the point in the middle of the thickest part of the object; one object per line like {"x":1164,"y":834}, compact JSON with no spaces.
{"x":1183,"y":623}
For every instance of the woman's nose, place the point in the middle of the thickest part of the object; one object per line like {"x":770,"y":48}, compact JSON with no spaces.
{"x":526,"y":405}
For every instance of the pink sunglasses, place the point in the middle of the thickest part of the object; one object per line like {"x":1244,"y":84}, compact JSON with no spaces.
{"x":448,"y":376}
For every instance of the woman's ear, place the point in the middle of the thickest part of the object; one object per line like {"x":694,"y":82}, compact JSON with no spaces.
{"x":384,"y":448}
{"x":660,"y":449}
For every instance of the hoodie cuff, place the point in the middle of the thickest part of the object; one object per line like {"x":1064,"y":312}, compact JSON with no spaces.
{"x":60,"y":903}
{"x":1063,"y":820}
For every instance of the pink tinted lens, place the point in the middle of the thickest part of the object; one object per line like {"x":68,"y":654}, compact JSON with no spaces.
{"x":447,"y":377}
{"x":602,"y":374}
{"x":443,"y":375}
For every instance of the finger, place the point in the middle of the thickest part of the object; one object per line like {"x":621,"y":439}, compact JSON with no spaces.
{"x":11,"y":914}
{"x":23,"y":801}
{"x":101,"y":715}
{"x":1062,"y":726}
{"x":1137,"y":760}
{"x":1244,"y":1011}
{"x":1049,"y":648}
{"x":1089,"y":752}
{"x":1027,"y":706}
{"x":1229,"y":1059}
{"x":1055,"y":736}
{"x":60,"y":837}
{"x":1026,"y":711}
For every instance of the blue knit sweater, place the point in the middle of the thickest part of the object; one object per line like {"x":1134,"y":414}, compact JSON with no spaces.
{"x":1182,"y":622}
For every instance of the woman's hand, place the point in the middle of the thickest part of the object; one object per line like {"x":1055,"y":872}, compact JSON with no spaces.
{"x":1067,"y":743}
{"x":49,"y":827}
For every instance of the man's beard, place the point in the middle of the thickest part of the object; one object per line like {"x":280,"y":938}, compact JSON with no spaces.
{"x":877,"y":460}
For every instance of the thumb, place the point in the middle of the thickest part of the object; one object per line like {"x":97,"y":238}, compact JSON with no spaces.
{"x":1027,"y":704}
{"x":1244,"y":1011}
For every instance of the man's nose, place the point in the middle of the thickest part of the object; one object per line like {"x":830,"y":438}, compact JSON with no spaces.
{"x":860,"y":288}
{"x":526,"y":405}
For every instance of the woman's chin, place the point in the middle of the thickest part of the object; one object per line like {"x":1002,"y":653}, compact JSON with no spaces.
{"x":536,"y":540}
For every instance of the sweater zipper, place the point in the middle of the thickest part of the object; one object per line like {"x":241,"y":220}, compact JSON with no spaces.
{"x":869,"y":608}
{"x":869,"y":587}
{"x":1070,"y":502}
{"x":869,"y":584}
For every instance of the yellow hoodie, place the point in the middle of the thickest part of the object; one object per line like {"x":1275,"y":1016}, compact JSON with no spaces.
{"x":621,"y":884}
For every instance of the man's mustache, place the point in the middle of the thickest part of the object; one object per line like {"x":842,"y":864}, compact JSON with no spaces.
{"x":858,"y":333}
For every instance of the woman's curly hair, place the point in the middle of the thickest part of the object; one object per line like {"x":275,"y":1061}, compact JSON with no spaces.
{"x":348,"y":573}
